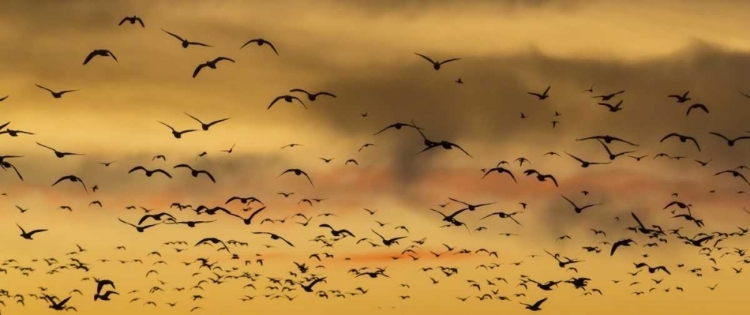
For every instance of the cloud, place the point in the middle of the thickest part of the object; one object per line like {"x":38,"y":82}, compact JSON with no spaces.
{"x":47,"y":14}
{"x":481,"y":115}
{"x":496,"y":87}
{"x":417,"y":7}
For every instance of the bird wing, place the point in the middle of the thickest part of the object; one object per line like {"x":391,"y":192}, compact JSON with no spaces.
{"x":273,"y":47}
{"x":743,"y":178}
{"x":384,"y":129}
{"x":218,"y":121}
{"x":325,"y":93}
{"x":552,"y":178}
{"x":300,"y":90}
{"x":173,"y":35}
{"x":637,"y":220}
{"x":288,"y":243}
{"x":44,"y":88}
{"x":426,"y":58}
{"x":143,"y":219}
{"x":163,"y":172}
{"x":460,"y":148}
{"x":16,"y":170}
{"x":209,"y":175}
{"x":223,"y":58}
{"x":59,"y":180}
{"x":137,"y":168}
{"x":128,"y":223}
{"x":274,"y":101}
{"x":90,"y":56}
{"x":437,"y":212}
{"x":669,"y":136}
{"x":308,"y":178}
{"x":696,"y":143}
{"x":300,"y":101}
{"x":44,"y":146}
{"x":168,"y":126}
{"x":376,"y":233}
{"x":449,"y":60}
{"x":614,"y":248}
{"x":196,"y":119}
{"x":198,"y":44}
{"x":577,"y":158}
{"x":198,"y":69}
{"x":248,"y":42}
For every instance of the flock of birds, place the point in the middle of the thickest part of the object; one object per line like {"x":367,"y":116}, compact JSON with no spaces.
{"x":307,"y":278}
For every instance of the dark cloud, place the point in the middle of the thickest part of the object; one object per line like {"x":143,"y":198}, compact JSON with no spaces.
{"x":487,"y":107}
{"x":482,"y":113}
{"x":40,"y":171}
{"x":32,"y":18}
{"x":417,"y":7}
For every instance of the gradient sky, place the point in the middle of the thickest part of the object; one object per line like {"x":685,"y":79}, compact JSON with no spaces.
{"x":363,"y":51}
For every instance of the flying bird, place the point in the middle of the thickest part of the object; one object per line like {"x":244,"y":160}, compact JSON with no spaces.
{"x":205,"y":126}
{"x":437,"y":64}
{"x":132,"y":19}
{"x":185,"y":43}
{"x":542,"y":96}
{"x":72,"y":178}
{"x":177,"y":134}
{"x":30,"y":234}
{"x":682,"y":138}
{"x":288,"y":99}
{"x":99,"y":53}
{"x":148,"y":172}
{"x":211,"y":64}
{"x":298,"y":172}
{"x":681,"y":98}
{"x":260,"y":42}
{"x":195,"y":172}
{"x":697,"y":106}
{"x":312,"y":96}
{"x":55,"y":94}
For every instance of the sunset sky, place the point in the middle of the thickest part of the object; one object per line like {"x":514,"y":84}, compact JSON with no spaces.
{"x":364,"y":53}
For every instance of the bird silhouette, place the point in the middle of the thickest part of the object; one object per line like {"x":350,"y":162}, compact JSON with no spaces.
{"x":184,"y":42}
{"x":195,"y":172}
{"x":288,"y":99}
{"x":71,"y":178}
{"x":205,"y":126}
{"x":55,"y":94}
{"x":313,"y":96}
{"x":298,"y":172}
{"x":58,"y":153}
{"x":100,"y":53}
{"x":148,"y":172}
{"x":211,"y":64}
{"x":682,"y":138}
{"x":132,"y":19}
{"x":30,"y":234}
{"x":437,"y":64}
{"x":177,"y":134}
{"x":542,"y":96}
{"x":260,"y":42}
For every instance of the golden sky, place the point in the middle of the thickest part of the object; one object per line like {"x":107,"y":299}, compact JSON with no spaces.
{"x":363,"y":52}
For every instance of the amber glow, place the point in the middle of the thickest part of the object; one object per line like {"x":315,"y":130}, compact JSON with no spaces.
{"x":363,"y":51}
